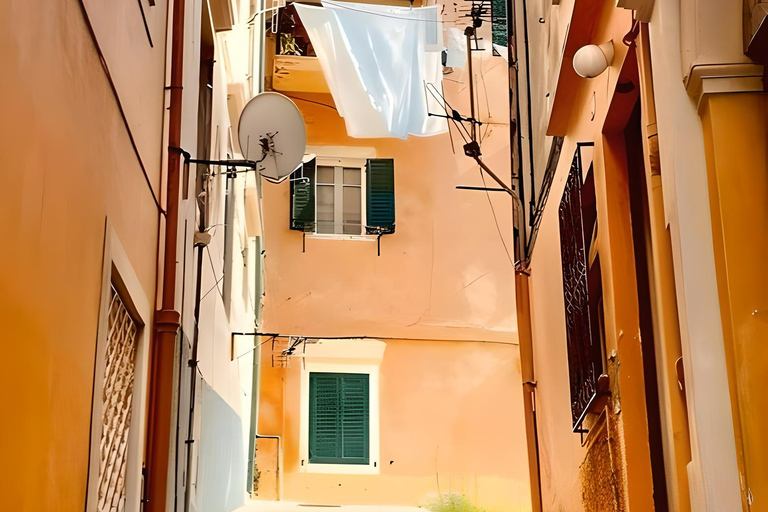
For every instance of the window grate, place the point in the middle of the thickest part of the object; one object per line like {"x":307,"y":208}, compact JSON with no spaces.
{"x":584,"y":347}
{"x":117,"y":398}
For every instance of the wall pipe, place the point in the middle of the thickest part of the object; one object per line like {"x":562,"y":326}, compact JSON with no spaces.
{"x":523,"y":305}
{"x":193,"y":355}
{"x":167,"y":318}
{"x":522,"y":275}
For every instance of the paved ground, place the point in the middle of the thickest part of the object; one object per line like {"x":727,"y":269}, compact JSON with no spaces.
{"x":282,"y":506}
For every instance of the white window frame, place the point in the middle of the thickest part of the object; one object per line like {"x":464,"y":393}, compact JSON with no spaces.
{"x":340,"y":157}
{"x":118,"y":271}
{"x":342,"y":356}
{"x":338,"y":196}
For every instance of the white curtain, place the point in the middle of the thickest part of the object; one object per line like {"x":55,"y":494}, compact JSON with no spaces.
{"x":378,"y":62}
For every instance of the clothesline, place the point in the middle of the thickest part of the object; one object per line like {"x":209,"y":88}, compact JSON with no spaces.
{"x":375,"y":70}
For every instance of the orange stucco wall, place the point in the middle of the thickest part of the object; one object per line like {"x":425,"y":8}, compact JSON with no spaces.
{"x":443,"y":275}
{"x":610,"y":467}
{"x":735,"y":134}
{"x":68,"y":165}
{"x":451,"y":415}
{"x":451,"y":421}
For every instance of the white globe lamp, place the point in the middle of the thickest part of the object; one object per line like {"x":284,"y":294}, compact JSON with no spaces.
{"x":591,"y":60}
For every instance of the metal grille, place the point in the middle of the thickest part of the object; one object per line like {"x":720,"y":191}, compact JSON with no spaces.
{"x":117,"y":397}
{"x":584,"y":351}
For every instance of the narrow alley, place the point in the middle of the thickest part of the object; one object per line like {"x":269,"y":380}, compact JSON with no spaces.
{"x":384,"y":255}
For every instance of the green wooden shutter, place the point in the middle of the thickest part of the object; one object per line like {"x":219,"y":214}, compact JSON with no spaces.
{"x":380,"y":187}
{"x":354,"y":417}
{"x":324,"y":416}
{"x":339,"y":430}
{"x":303,"y":198}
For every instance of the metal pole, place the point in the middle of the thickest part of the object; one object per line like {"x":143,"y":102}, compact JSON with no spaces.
{"x":496,"y":178}
{"x":469,"y":32}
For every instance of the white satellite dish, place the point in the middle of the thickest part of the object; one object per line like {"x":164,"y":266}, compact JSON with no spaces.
{"x":271,"y":131}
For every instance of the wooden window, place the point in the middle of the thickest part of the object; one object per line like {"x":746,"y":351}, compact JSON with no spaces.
{"x":339,"y":430}
{"x":343,"y":199}
{"x":339,"y":200}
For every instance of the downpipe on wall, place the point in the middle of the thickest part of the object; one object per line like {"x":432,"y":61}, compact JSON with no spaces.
{"x":167,"y":318}
{"x":525,"y":337}
{"x":200,"y":244}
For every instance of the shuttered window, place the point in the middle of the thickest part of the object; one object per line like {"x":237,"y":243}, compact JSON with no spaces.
{"x":380,"y":181}
{"x":328,"y":199}
{"x":303,"y":198}
{"x":338,"y":418}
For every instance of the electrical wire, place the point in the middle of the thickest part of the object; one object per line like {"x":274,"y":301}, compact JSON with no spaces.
{"x":216,"y":285}
{"x":312,"y":101}
{"x":271,"y":338}
{"x":371,"y":337}
{"x":384,"y":15}
{"x":213,"y":269}
{"x":495,"y":219}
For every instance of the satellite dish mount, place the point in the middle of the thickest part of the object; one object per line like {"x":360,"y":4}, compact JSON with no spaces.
{"x":275,"y":126}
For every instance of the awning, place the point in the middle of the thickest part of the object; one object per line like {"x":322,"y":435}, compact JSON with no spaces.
{"x":378,"y":61}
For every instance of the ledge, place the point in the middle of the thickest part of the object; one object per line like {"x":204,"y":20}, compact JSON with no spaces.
{"x":596,"y":403}
{"x":358,"y":238}
{"x":298,"y":74}
{"x":706,"y":79}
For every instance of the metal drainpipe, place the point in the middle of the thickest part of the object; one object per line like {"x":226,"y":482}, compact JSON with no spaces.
{"x":529,"y":384}
{"x":167,"y":319}
{"x":256,"y":375}
{"x":193,"y":355}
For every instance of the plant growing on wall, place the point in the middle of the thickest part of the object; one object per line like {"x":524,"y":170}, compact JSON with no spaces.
{"x":452,"y":502}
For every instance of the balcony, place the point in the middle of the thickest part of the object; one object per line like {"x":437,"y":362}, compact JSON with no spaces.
{"x":294,"y":67}
{"x":293,"y":73}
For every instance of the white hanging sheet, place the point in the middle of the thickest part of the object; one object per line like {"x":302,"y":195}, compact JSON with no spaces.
{"x":457,"y":48}
{"x":377,"y":61}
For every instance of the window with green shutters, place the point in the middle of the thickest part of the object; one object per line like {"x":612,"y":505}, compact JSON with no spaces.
{"x":339,"y":430}
{"x":380,"y":181}
{"x":327,"y":199}
{"x":303,"y":197}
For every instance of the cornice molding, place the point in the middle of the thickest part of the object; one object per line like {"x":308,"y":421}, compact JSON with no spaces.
{"x":704,"y":79}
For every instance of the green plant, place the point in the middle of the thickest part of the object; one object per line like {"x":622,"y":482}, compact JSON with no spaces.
{"x":288,"y":45}
{"x":452,"y":502}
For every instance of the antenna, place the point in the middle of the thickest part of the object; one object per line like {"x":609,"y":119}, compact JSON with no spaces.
{"x":271,"y":132}
{"x":471,"y":146}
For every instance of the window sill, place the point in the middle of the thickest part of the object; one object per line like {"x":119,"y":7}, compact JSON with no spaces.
{"x":341,"y":469}
{"x":323,"y":236}
{"x":595,"y":405}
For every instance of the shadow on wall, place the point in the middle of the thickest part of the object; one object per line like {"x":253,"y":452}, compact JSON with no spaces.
{"x":221,"y":466}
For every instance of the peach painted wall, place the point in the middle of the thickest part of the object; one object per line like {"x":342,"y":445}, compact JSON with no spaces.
{"x":68,"y":165}
{"x":451,"y":420}
{"x":444,"y":275}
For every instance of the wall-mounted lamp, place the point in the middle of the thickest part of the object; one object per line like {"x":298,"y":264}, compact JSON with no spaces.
{"x":591,"y":60}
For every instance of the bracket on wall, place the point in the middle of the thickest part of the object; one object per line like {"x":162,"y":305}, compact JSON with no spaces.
{"x":249,"y":165}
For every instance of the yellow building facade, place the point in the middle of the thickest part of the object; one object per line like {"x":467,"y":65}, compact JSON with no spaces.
{"x":98,"y":289}
{"x":424,"y":314}
{"x":658,"y":275}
